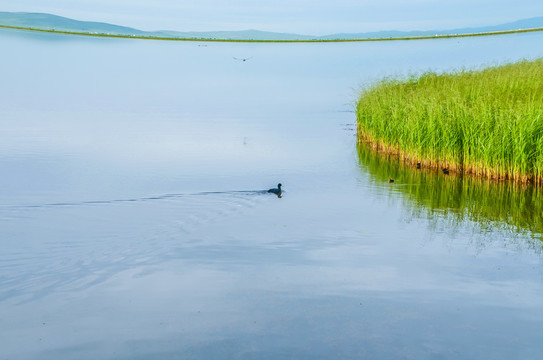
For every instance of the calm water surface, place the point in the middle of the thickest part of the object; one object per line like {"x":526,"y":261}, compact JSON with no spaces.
{"x":133,"y":224}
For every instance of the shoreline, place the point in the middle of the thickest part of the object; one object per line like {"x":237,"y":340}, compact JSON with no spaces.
{"x":453,"y":169}
{"x":119,"y":36}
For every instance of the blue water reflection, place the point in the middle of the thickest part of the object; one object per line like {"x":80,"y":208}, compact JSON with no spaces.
{"x":135,"y":221}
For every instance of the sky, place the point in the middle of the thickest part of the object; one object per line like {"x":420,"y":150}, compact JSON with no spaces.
{"x":308,"y":17}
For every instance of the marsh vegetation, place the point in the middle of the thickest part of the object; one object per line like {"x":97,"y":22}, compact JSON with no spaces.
{"x":487,"y":122}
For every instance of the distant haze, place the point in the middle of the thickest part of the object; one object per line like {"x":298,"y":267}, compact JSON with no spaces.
{"x":315,"y":17}
{"x":53,"y":22}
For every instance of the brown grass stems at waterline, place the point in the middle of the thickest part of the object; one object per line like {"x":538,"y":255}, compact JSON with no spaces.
{"x":487,"y":123}
{"x":491,"y":204}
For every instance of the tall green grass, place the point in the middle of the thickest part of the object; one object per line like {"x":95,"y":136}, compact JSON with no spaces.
{"x":487,"y":122}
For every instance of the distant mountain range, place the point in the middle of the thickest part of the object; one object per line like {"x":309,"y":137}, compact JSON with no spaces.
{"x":54,"y":22}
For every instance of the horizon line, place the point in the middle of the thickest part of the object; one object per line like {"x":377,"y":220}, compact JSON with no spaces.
{"x":315,"y":40}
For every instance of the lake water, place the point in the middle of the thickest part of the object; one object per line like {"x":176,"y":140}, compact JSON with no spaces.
{"x":134,"y":225}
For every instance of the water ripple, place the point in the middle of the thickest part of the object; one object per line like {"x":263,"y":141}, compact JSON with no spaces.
{"x":71,"y":246}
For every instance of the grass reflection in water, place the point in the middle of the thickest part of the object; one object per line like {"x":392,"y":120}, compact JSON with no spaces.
{"x":490,"y":204}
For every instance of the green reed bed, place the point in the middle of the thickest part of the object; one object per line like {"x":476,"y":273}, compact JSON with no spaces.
{"x":487,"y":122}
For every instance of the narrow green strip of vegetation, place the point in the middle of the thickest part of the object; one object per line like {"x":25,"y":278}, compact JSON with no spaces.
{"x":487,"y":122}
{"x":142,"y":37}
